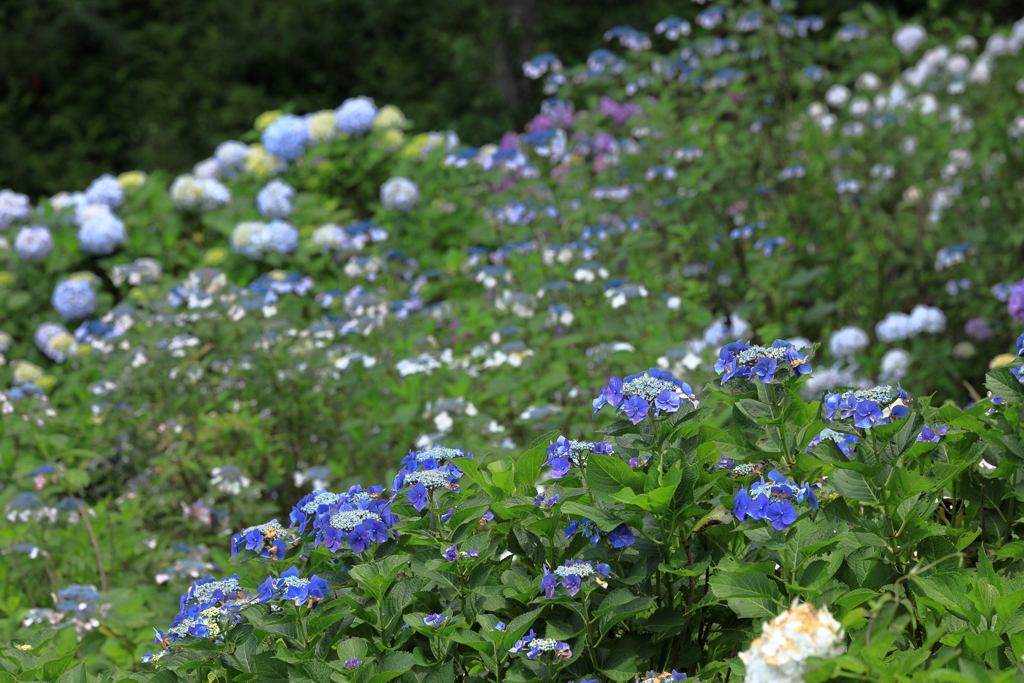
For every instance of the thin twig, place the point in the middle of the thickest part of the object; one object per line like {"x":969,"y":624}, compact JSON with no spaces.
{"x":95,"y":544}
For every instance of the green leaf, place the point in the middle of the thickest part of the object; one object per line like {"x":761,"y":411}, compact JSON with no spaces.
{"x":528,"y":468}
{"x":657,"y":500}
{"x":74,"y":675}
{"x":393,"y":665}
{"x":1003,"y":383}
{"x":503,"y":474}
{"x":854,"y":486}
{"x":620,"y":664}
{"x":743,"y":585}
{"x":910,"y":428}
{"x":608,"y":475}
{"x":245,"y":652}
{"x":949,"y":589}
{"x":518,"y":627}
{"x":604,"y":520}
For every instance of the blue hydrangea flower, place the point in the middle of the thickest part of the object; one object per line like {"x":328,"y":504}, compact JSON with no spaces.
{"x":14,"y":207}
{"x":572,"y":575}
{"x":636,"y":395}
{"x":276,"y":199}
{"x":452,"y":553}
{"x":74,"y":299}
{"x":433,"y":457}
{"x":663,"y":677}
{"x":105,"y":190}
{"x":761,"y":363}
{"x":932,"y":434}
{"x":546,"y":502}
{"x":270,"y":540}
{"x":619,"y":537}
{"x":286,"y":137}
{"x":867,"y":407}
{"x":435,"y":620}
{"x":542,"y":646}
{"x":352,"y":664}
{"x":290,"y":586}
{"x":846,"y":442}
{"x":355,"y":115}
{"x":773,"y":500}
{"x":101,"y":233}
{"x":418,"y":484}
{"x":360,"y":523}
{"x":563,"y":454}
{"x":33,"y":243}
{"x":282,"y":237}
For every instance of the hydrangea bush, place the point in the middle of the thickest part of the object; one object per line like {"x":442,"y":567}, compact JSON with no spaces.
{"x":596,"y":339}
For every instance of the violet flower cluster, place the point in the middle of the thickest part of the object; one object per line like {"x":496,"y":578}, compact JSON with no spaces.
{"x":868,"y":407}
{"x":652,"y":391}
{"x":572,"y":575}
{"x":564,"y":453}
{"x":773,"y":500}
{"x":760,"y":363}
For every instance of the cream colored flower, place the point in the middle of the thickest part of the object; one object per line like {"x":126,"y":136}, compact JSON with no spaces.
{"x":787,"y":641}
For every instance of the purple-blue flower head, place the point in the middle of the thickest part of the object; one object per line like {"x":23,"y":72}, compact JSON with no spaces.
{"x":637,"y":395}
{"x":286,"y":137}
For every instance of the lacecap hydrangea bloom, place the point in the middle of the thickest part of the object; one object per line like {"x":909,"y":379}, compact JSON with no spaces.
{"x":571,"y":577}
{"x":773,"y":500}
{"x":760,"y":363}
{"x":33,"y":243}
{"x":270,"y":540}
{"x":359,"y":523}
{"x":14,"y":207}
{"x":101,"y":233}
{"x":74,"y":299}
{"x":315,"y":504}
{"x":651,"y":391}
{"x":290,"y":586}
{"x":399,"y":194}
{"x":564,"y":453}
{"x":286,"y":137}
{"x":536,"y":647}
{"x":619,"y":537}
{"x":191,"y":193}
{"x":780,"y":653}
{"x":355,"y":115}
{"x":276,"y":199}
{"x":868,"y":407}
{"x":845,"y":442}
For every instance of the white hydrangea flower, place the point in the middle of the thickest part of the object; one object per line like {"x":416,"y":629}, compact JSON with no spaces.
{"x":927,"y":319}
{"x":399,"y":194}
{"x":847,"y":341}
{"x":780,"y":654}
{"x":908,"y":38}
{"x":837,"y":95}
{"x":895,"y":364}
{"x":195,"y":193}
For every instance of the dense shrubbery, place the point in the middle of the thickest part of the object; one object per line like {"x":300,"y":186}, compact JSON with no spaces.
{"x":195,"y":365}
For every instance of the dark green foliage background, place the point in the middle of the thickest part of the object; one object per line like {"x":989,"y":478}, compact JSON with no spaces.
{"x":96,"y":86}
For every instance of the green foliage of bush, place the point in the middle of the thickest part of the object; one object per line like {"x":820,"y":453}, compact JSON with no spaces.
{"x":211,"y":391}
